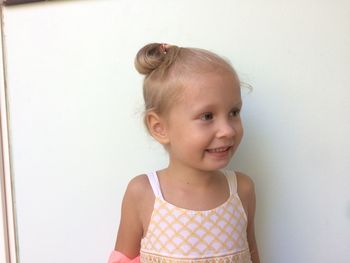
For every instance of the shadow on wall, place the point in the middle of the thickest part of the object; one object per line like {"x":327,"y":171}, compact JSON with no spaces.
{"x":261,"y":156}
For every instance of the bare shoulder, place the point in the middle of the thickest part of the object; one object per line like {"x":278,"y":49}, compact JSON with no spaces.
{"x":134,"y":195}
{"x":245,"y":184}
{"x":139,"y":194}
{"x":138,"y":186}
{"x":137,"y":203}
{"x":246,"y":192}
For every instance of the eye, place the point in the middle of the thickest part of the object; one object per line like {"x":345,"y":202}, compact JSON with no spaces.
{"x":235,"y":112}
{"x":206,"y":116}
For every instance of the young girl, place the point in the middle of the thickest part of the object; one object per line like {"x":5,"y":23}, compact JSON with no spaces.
{"x":192,"y":210}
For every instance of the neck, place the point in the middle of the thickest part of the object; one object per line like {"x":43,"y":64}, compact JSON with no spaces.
{"x":188,"y":176}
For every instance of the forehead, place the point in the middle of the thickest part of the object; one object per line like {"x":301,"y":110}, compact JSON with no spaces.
{"x":211,"y":88}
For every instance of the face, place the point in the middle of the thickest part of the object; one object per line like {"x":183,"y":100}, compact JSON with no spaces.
{"x":204,"y":128}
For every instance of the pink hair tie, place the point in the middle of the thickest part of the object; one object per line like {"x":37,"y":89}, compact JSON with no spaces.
{"x":163,"y":48}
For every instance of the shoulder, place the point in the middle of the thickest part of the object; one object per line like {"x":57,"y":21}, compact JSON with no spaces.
{"x":131,"y":227}
{"x":138,"y":187}
{"x":245,"y":184}
{"x":137,"y":184}
{"x":246,"y":192}
{"x":139,"y":197}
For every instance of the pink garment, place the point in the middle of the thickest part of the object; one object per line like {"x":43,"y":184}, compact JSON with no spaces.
{"x":118,"y":257}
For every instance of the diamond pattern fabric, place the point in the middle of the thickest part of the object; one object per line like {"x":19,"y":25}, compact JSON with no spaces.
{"x":181,"y":235}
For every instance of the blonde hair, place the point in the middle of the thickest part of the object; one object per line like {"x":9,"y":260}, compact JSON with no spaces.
{"x":167,"y":66}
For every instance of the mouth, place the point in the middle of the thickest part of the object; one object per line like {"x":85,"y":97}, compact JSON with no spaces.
{"x":219,"y":149}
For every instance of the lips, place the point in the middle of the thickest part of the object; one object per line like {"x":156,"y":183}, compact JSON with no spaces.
{"x":219,"y":149}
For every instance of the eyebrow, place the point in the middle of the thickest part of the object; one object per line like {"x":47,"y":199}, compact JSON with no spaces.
{"x":238,"y":103}
{"x":203,"y":107}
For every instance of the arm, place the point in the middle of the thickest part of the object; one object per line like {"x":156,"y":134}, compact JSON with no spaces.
{"x":246,"y":191}
{"x":130,"y":229}
{"x":251,"y":229}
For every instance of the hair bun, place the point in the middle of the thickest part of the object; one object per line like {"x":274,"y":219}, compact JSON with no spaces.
{"x":149,"y":58}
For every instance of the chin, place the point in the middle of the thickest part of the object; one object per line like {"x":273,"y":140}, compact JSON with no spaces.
{"x":215,"y":167}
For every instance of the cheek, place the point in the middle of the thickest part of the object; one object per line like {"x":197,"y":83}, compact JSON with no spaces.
{"x":239,"y":129}
{"x":193,"y":138}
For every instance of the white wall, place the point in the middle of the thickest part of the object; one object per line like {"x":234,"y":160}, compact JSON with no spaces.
{"x":77,"y":135}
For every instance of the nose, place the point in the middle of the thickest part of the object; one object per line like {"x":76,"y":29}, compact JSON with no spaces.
{"x":227,"y":129}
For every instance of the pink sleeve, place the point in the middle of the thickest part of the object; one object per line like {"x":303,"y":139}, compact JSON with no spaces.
{"x":118,"y":257}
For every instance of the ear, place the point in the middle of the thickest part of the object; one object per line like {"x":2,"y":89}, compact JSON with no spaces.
{"x":157,"y":127}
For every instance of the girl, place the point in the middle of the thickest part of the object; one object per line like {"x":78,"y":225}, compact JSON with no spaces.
{"x":192,"y":210}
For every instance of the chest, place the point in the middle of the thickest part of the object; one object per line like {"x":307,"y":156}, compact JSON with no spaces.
{"x":185,"y":233}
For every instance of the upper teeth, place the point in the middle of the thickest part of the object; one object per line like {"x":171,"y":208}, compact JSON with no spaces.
{"x":222,"y":149}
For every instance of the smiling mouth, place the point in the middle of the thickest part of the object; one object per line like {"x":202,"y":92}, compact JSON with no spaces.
{"x":219,"y":150}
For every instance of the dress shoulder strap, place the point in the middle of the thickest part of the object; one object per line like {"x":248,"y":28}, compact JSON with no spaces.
{"x":153,"y":180}
{"x":232,"y":181}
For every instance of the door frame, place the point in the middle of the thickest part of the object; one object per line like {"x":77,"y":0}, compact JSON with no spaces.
{"x":8,"y":237}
